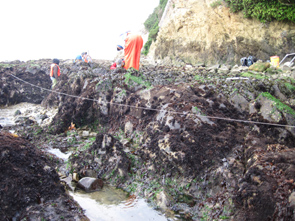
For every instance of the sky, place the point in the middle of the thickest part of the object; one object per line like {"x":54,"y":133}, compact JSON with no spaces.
{"x":63,"y":29}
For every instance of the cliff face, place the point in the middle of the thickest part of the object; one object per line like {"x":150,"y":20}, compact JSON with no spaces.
{"x":191,"y":31}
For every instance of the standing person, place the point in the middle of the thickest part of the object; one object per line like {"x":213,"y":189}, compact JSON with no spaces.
{"x":132,"y":49}
{"x":54,"y":71}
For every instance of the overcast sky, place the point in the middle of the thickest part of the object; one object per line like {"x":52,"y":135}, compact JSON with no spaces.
{"x":35,"y":29}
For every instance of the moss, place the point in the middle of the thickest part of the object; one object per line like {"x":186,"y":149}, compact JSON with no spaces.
{"x":259,"y":67}
{"x":7,"y":65}
{"x":198,"y":78}
{"x":35,"y":65}
{"x":290,"y":87}
{"x":138,"y":80}
{"x":278,"y":104}
{"x":253,"y":75}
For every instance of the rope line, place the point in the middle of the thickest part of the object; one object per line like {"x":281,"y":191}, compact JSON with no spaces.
{"x":144,"y":108}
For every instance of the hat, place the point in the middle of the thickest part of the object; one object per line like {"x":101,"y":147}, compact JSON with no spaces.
{"x":119,"y":47}
{"x":55,"y":61}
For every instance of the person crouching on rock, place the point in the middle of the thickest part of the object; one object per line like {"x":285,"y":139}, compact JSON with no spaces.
{"x":86,"y":57}
{"x":118,"y":65}
{"x":54,"y":72}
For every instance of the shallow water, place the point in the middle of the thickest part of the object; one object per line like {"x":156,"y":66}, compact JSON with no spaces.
{"x":111,"y":204}
{"x":59,"y":154}
{"x":7,"y":117}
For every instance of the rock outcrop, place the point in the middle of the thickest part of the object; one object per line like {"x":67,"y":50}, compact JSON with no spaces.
{"x":202,"y":141}
{"x":32,"y":72}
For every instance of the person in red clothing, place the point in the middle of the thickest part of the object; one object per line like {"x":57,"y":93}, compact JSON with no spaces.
{"x":132,"y":49}
{"x":118,"y":65}
{"x":54,"y":72}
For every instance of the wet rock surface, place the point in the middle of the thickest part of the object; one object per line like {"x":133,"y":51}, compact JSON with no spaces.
{"x":200,"y":142}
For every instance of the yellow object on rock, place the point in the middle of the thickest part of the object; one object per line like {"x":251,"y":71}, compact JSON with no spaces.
{"x":275,"y":61}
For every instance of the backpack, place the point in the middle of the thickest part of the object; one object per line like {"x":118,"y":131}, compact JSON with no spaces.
{"x":244,"y":61}
{"x":250,"y":61}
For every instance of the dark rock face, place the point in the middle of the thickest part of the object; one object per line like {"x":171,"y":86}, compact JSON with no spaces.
{"x":14,"y":91}
{"x":268,"y":182}
{"x":27,"y":180}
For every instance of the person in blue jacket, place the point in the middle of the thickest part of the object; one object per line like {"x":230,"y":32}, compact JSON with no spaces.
{"x":78,"y":58}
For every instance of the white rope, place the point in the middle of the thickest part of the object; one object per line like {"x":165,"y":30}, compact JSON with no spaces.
{"x":144,"y":108}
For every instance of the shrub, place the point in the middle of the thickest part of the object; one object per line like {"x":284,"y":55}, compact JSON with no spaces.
{"x":264,"y":10}
{"x":152,"y":24}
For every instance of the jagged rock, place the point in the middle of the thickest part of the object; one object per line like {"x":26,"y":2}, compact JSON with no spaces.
{"x":290,"y":118}
{"x":278,"y":93}
{"x":238,"y":69}
{"x":292,"y":200}
{"x":128,"y":128}
{"x":268,"y":110}
{"x":68,"y":183}
{"x":239,"y":102}
{"x":224,"y":69}
{"x":163,"y":200}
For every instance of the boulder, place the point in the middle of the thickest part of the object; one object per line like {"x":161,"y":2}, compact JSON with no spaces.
{"x":89,"y":184}
{"x":259,"y":67}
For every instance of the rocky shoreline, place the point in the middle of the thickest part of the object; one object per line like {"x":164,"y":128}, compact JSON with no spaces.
{"x":202,"y":142}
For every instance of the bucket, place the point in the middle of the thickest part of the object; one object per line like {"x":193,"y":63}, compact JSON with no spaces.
{"x":275,"y":61}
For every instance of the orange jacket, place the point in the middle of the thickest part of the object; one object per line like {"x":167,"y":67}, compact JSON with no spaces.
{"x":87,"y":58}
{"x":51,"y":70}
{"x":133,"y":46}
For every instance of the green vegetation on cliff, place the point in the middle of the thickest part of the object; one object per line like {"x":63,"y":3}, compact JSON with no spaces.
{"x":264,"y":10}
{"x":152,"y":24}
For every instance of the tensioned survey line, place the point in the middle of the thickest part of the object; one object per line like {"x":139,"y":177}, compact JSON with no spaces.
{"x":145,"y":108}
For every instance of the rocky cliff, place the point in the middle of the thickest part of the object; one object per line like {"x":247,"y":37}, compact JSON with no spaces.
{"x":191,"y":31}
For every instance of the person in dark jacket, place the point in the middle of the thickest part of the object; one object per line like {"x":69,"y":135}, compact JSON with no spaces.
{"x":54,"y":71}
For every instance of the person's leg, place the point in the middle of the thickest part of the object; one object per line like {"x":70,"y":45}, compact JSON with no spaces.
{"x":54,"y":81}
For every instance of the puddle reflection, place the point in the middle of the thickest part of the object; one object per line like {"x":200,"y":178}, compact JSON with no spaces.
{"x":111,"y":204}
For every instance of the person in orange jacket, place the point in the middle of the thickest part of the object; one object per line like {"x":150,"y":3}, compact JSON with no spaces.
{"x":132,"y":49}
{"x":54,"y":71}
{"x":86,"y":57}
